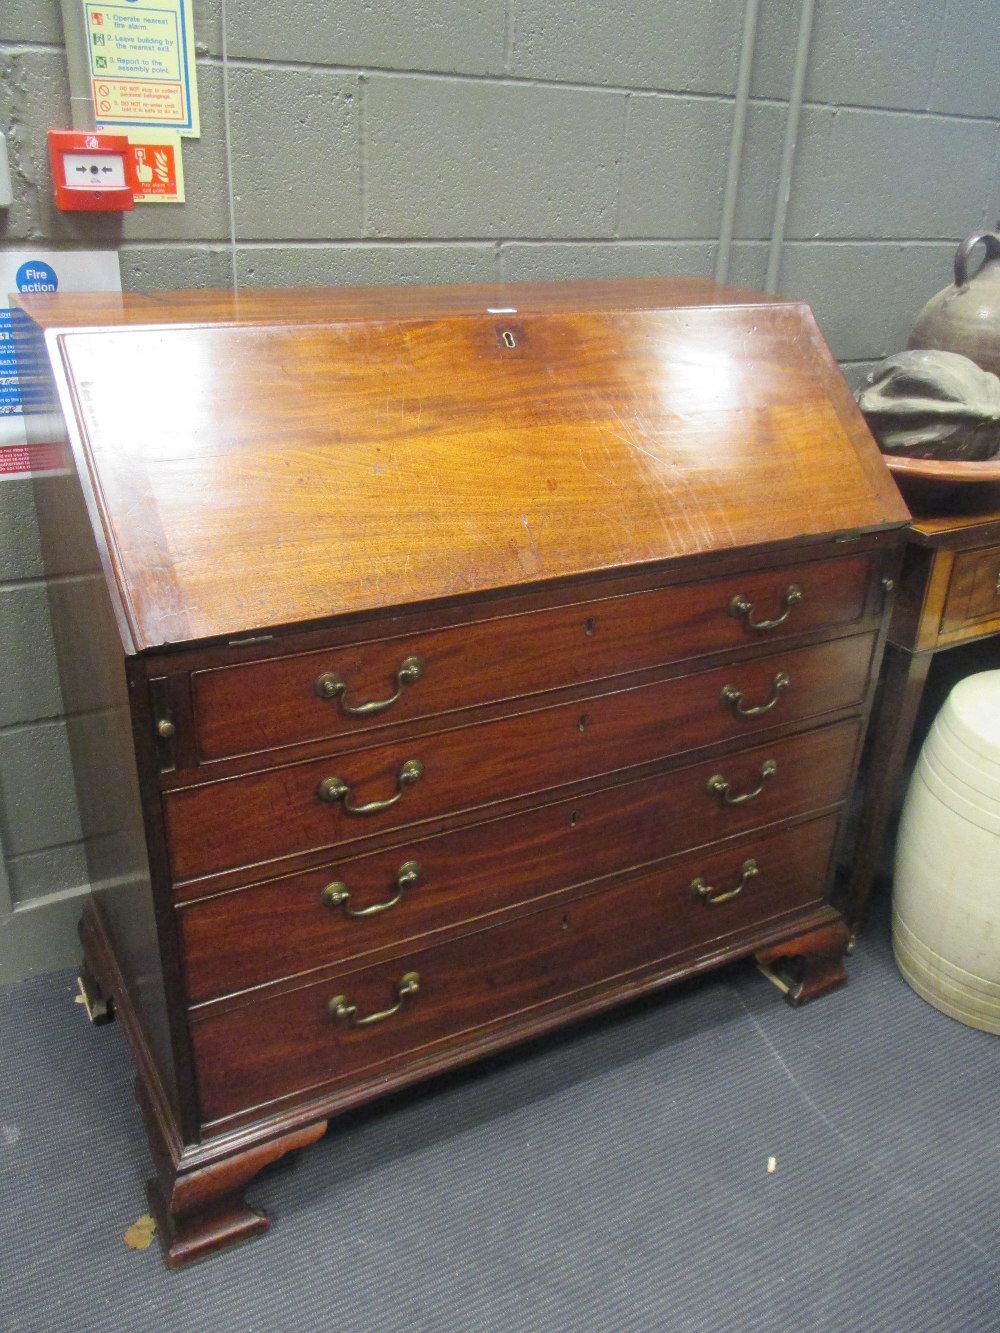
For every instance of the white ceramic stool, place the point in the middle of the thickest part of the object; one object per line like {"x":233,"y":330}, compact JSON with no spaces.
{"x":946,"y":889}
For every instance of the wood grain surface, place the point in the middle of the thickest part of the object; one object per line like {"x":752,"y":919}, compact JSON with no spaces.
{"x":271,"y":1049}
{"x":305,"y":305}
{"x":278,"y":812}
{"x":282,"y":474}
{"x":283,"y":927}
{"x":274,"y":703}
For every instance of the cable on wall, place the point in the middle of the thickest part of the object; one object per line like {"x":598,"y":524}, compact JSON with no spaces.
{"x":741,"y":108}
{"x":792,"y":118}
{"x":233,"y":273}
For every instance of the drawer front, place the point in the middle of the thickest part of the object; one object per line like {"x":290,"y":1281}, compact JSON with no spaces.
{"x":265,"y":705}
{"x":284,"y":927}
{"x":276,"y":1048}
{"x":244,"y":821}
{"x":974,"y":590}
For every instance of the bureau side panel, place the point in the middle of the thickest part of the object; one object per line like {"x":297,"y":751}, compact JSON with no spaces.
{"x":92,"y":673}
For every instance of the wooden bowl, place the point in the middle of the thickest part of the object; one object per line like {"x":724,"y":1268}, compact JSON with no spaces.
{"x":939,"y":486}
{"x":942,"y":470}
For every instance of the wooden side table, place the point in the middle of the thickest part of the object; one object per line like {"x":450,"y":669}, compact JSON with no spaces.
{"x":948,"y":594}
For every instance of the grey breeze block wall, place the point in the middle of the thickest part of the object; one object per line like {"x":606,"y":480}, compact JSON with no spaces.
{"x":449,"y":140}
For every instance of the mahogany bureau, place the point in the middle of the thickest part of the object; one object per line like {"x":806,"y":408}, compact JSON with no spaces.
{"x":477,"y":658}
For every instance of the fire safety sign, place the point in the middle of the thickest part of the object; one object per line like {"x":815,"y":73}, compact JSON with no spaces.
{"x":157,"y":169}
{"x":142,"y":68}
{"x":32,"y":434}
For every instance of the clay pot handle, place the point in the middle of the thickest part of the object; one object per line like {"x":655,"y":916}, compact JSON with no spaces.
{"x":992,"y":242}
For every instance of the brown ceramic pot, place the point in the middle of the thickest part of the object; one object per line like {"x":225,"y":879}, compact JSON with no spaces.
{"x":965,"y":317}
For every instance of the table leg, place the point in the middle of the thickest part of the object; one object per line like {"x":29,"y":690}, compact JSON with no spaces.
{"x":904,"y":675}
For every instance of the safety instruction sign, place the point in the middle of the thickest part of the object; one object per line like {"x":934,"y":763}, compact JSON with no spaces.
{"x":32,"y":434}
{"x":157,"y":169}
{"x":142,"y":69}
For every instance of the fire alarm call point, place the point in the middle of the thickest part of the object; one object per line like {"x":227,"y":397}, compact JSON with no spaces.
{"x":91,"y":171}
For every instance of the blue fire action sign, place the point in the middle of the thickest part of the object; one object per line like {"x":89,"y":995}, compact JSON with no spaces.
{"x":36,"y":276}
{"x":33,"y":276}
{"x":31,"y":430}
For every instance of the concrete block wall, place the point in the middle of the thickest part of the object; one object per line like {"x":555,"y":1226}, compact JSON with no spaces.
{"x":450,"y":140}
{"x":43,"y":868}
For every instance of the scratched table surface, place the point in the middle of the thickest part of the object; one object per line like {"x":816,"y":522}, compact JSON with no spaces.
{"x":384,"y":452}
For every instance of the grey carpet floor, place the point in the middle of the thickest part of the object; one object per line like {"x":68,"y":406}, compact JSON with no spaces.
{"x":613,"y":1178}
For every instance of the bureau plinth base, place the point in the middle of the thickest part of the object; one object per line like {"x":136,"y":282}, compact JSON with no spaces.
{"x":203,"y":1211}
{"x":808,"y":965}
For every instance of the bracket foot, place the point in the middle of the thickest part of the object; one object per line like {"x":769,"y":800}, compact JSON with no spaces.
{"x":809,"y":965}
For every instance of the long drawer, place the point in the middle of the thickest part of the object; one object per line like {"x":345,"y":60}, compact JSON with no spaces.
{"x":261,"y":706}
{"x":267,"y":1050}
{"x":283,"y":811}
{"x":355,"y":906}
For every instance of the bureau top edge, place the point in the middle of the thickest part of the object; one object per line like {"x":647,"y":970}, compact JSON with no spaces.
{"x":62,"y":311}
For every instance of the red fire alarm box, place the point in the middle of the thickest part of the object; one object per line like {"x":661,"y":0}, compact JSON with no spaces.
{"x":91,"y":171}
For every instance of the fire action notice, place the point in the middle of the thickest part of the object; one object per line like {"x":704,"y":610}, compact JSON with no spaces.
{"x":32,"y":437}
{"x":142,"y":69}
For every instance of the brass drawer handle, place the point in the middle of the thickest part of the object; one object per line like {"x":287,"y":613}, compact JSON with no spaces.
{"x":338,"y":894}
{"x":734,"y":697}
{"x":718,"y":785}
{"x":341,"y":1007}
{"x":331,"y":686}
{"x":336,"y":789}
{"x":742,"y":606}
{"x":708,"y":895}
